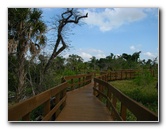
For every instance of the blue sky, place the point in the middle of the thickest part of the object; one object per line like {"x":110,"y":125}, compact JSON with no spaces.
{"x":110,"y":30}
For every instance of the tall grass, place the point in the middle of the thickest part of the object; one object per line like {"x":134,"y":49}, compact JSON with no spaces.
{"x":146,"y":95}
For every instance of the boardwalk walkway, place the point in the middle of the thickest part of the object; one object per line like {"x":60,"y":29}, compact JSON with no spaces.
{"x":82,"y":105}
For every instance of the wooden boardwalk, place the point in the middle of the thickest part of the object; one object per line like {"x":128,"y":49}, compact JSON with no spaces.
{"x":82,"y":105}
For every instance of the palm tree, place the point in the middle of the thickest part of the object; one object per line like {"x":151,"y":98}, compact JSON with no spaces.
{"x":25,"y":32}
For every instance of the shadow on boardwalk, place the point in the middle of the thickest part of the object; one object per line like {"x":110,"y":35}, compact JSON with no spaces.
{"x":82,"y":105}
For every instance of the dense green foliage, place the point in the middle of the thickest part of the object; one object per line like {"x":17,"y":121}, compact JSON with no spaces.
{"x":146,"y":95}
{"x":72,"y":65}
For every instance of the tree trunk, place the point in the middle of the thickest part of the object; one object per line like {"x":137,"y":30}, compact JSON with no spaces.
{"x":21,"y":49}
{"x":21,"y":77}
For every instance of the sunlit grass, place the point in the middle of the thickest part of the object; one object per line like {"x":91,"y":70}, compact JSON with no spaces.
{"x":146,"y":95}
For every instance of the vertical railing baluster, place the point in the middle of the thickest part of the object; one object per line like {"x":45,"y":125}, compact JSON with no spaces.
{"x":95,"y":86}
{"x":57,"y":99}
{"x":114,"y":101}
{"x":46,"y":107}
{"x":108,"y":97}
{"x":79,"y":81}
{"x":123,"y":111}
{"x":72,"y":85}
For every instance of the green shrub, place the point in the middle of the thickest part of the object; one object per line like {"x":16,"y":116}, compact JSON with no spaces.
{"x":143,"y":78}
{"x":68,"y":72}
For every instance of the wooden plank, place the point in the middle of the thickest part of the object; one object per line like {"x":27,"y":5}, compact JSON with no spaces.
{"x":81,"y":105}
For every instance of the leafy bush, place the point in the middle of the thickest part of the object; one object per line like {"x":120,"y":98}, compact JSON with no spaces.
{"x":68,"y":72}
{"x":143,"y":78}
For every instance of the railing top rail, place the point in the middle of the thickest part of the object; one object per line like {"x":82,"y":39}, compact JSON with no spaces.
{"x":76,"y":76}
{"x":19,"y":110}
{"x":141,"y":112}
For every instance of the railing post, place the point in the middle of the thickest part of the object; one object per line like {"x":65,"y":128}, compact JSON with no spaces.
{"x":123,"y":112}
{"x":79,"y":81}
{"x":121,"y":75}
{"x":126,"y":74}
{"x":62,"y":79}
{"x":114,"y":100}
{"x":47,"y":107}
{"x":72,"y":85}
{"x":106,"y":77}
{"x":108,"y":98}
{"x":95,"y":85}
{"x":83,"y":81}
{"x":63,"y":95}
{"x":57,"y":99}
{"x":100,"y":89}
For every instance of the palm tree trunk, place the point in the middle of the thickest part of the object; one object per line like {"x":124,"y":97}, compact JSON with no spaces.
{"x":21,"y":77}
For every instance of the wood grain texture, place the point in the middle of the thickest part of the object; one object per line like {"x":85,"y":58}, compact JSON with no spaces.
{"x":82,"y":105}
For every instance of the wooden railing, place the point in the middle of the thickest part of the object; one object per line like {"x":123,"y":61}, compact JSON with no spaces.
{"x":123,"y":74}
{"x":118,"y":75}
{"x":77,"y":81}
{"x":52,"y":100}
{"x":112,"y":96}
{"x":22,"y":110}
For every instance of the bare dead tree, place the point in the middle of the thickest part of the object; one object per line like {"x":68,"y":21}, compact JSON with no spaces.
{"x":68,"y":17}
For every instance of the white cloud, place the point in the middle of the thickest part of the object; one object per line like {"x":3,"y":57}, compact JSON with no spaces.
{"x":149,"y":54}
{"x":136,"y":48}
{"x":100,"y":55}
{"x":108,"y":19}
{"x":86,"y":54}
{"x":132,"y":47}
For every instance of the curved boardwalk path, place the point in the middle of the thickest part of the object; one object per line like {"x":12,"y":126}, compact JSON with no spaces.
{"x":82,"y":105}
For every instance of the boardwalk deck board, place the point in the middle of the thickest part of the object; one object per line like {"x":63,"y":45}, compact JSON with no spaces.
{"x":81,"y":105}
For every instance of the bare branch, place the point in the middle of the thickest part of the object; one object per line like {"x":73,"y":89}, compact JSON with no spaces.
{"x":67,"y":17}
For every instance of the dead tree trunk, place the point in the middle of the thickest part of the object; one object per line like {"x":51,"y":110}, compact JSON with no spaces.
{"x":67,"y":17}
